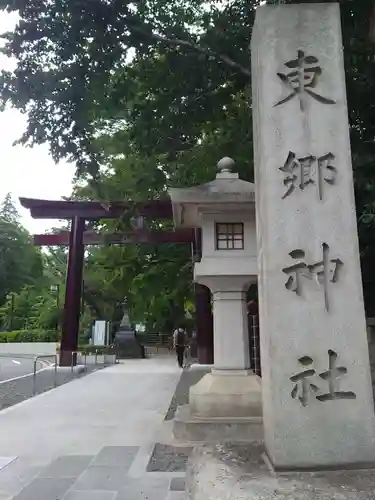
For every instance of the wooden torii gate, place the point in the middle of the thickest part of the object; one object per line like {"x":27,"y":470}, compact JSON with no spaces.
{"x":79,"y":212}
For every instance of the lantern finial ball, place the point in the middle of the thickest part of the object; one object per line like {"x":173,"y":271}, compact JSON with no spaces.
{"x":226,"y":164}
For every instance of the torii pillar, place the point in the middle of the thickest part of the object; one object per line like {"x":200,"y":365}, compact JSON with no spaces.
{"x":73,"y":292}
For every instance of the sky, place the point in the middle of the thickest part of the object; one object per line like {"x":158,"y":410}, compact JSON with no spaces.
{"x":28,"y":172}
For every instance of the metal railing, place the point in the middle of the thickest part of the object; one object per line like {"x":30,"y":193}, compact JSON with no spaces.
{"x":38,"y":358}
{"x":54,"y":362}
{"x":81,"y":358}
{"x":75,"y":356}
{"x":74,"y":359}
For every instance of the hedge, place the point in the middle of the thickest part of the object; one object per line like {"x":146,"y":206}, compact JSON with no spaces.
{"x":94,"y":349}
{"x":29,"y":336}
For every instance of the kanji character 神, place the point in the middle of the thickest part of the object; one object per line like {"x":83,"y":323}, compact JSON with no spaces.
{"x":325,"y":271}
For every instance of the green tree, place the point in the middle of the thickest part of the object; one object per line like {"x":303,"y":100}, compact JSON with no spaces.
{"x":20,"y":262}
{"x":74,"y":60}
{"x":156,"y":93}
{"x":8,"y":210}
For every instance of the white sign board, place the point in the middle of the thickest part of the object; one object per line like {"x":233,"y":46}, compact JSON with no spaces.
{"x":99,"y":336}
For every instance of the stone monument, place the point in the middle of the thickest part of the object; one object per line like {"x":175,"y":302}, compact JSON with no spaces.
{"x":126,"y":342}
{"x":318,"y":409}
{"x":225,"y":403}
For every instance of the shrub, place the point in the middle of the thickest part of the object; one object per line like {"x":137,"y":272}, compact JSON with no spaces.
{"x":94,"y":349}
{"x":29,"y":336}
{"x":99,"y":349}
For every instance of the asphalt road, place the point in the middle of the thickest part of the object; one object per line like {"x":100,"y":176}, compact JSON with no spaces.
{"x":14,"y":366}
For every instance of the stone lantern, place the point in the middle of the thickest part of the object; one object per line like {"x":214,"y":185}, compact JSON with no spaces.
{"x":230,"y":395}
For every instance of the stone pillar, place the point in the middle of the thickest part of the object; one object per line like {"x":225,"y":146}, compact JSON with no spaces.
{"x":231,"y":390}
{"x":73,"y":291}
{"x":318,"y":407}
{"x":204,"y":325}
{"x":231,"y":348}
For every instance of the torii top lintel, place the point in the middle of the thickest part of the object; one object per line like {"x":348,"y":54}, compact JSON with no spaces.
{"x":91,"y":210}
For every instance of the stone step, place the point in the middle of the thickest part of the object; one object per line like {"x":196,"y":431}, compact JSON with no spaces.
{"x":189,"y":428}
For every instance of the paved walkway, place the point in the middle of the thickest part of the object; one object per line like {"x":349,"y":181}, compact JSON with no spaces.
{"x":94,"y":438}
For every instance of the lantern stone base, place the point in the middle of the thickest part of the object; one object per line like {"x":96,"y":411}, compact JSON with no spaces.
{"x":223,"y":405}
{"x":187,"y":427}
{"x":226,"y":393}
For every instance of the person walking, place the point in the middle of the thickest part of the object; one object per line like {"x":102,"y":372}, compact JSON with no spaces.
{"x":179,"y":341}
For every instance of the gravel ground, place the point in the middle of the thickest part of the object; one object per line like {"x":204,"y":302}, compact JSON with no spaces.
{"x":181,"y":395}
{"x":166,"y":458}
{"x":15,"y":391}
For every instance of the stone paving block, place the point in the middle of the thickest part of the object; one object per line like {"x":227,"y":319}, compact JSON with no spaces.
{"x":177,"y":484}
{"x":89,"y":495}
{"x":17,"y":475}
{"x":67,"y":466}
{"x":45,"y":489}
{"x":102,"y":478}
{"x":116,"y":456}
{"x":145,"y":488}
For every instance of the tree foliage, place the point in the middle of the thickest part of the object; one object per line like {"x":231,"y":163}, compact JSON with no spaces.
{"x":152,"y":94}
{"x":156,"y":280}
{"x":80,"y":58}
{"x":20,"y":263}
